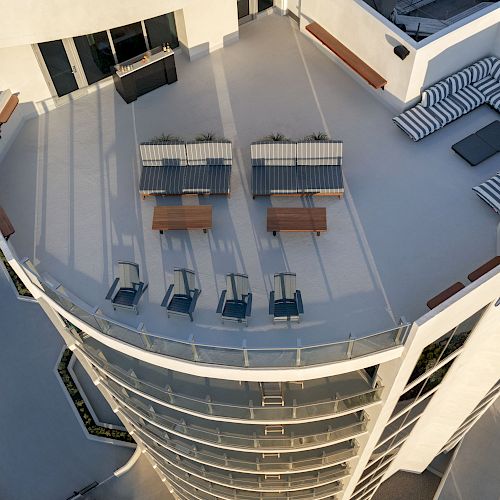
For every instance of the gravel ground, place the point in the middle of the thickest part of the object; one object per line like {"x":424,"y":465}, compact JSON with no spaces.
{"x":408,"y":486}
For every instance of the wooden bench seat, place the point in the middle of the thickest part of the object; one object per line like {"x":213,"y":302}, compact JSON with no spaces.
{"x":9,"y":108}
{"x":349,"y":57}
{"x":6,"y":227}
{"x":445,"y":295}
{"x":485,"y":268}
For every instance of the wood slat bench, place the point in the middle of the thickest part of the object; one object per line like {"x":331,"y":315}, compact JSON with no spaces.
{"x":445,"y":295}
{"x":167,"y":218}
{"x":485,"y":268}
{"x":8,"y":109}
{"x":349,"y":57}
{"x":6,"y":228}
{"x":296,"y":220}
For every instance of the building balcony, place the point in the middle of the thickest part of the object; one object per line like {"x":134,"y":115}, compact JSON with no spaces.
{"x":218,"y":399}
{"x":244,"y":462}
{"x":245,"y":437}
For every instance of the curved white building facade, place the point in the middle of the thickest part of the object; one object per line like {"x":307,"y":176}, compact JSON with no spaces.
{"x":328,"y":408}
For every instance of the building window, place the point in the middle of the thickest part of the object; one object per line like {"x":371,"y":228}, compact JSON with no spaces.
{"x":264,"y":4}
{"x":162,"y":30}
{"x":96,"y":55}
{"x":444,"y":346}
{"x":129,"y":41}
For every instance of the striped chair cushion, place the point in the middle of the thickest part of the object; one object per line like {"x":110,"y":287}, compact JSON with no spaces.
{"x":266,"y":153}
{"x":487,"y":86}
{"x":319,"y":153}
{"x":468,"y":98}
{"x":494,"y":100}
{"x":435,"y":94}
{"x":158,"y":153}
{"x":326,"y":179}
{"x":489,"y":191}
{"x":459,"y":80}
{"x":207,"y":179}
{"x":495,"y":69}
{"x":267,"y":180}
{"x":213,"y":153}
{"x":480,"y":69}
{"x":446,"y":111}
{"x":161,"y":180}
{"x":417,"y":122}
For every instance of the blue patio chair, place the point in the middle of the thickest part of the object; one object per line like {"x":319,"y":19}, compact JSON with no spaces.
{"x":285,"y":302}
{"x":235,"y":303}
{"x":181,"y":296}
{"x":127,"y":289}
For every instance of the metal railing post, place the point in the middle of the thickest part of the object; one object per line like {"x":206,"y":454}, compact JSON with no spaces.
{"x":350,"y":346}
{"x":299,"y":350}
{"x":245,"y":354}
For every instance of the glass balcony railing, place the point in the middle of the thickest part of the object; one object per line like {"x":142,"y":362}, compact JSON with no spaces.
{"x":233,"y":440}
{"x":201,"y":407}
{"x":250,"y":481}
{"x":253,"y":463}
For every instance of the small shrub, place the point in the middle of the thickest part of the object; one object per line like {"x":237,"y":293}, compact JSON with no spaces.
{"x":209,"y":137}
{"x":166,"y":138}
{"x":317,"y":136}
{"x":276,"y":137}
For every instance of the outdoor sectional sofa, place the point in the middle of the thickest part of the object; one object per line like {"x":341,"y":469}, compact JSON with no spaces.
{"x":453,"y":97}
{"x":177,"y":168}
{"x":297,"y":168}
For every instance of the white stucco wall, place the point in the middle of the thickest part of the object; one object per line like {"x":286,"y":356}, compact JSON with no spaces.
{"x":369,"y":35}
{"x":19,"y":71}
{"x":373,"y":38}
{"x":29,"y":22}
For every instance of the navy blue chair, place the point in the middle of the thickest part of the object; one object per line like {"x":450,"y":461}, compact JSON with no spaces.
{"x":127,"y":289}
{"x":285,"y":302}
{"x":235,"y":303}
{"x":181,"y":296}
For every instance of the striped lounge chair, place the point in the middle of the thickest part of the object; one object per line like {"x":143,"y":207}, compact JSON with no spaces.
{"x":489,"y":191}
{"x":208,"y":168}
{"x":319,"y":167}
{"x":163,"y":168}
{"x":452,"y":98}
{"x":274,"y":168}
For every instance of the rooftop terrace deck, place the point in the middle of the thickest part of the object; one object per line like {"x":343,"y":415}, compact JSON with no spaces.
{"x":70,"y":186}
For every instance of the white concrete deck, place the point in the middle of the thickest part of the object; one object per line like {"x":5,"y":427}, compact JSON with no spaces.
{"x":408,"y":227}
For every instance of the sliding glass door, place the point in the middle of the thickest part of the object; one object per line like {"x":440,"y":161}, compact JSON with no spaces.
{"x":61,"y":71}
{"x":96,"y":55}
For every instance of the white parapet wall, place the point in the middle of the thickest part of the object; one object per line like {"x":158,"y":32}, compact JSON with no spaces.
{"x":373,"y":38}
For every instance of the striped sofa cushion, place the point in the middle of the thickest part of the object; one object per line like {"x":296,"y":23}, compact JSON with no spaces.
{"x":269,"y":153}
{"x":267,"y":180}
{"x":323,"y":179}
{"x":494,"y":100}
{"x":495,"y":69}
{"x":213,"y":153}
{"x":489,"y":191}
{"x":434,"y":94}
{"x":487,"y":86}
{"x":447,"y":110}
{"x":161,"y":180}
{"x":459,"y":80}
{"x":468,"y":98}
{"x":206,"y":179}
{"x":417,"y":122}
{"x":162,"y":153}
{"x":480,"y":69}
{"x":319,"y":153}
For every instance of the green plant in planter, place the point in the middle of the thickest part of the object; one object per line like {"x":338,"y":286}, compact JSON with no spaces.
{"x":276,"y":137}
{"x":317,"y":136}
{"x":21,"y":289}
{"x":209,"y":137}
{"x":87,"y":419}
{"x":166,"y":138}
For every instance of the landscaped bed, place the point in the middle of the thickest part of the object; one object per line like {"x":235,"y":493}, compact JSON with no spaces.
{"x":87,"y":419}
{"x":21,"y":289}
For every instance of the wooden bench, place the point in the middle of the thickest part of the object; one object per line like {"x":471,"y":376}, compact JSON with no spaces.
{"x":445,"y":295}
{"x":8,"y":109}
{"x":485,"y":268}
{"x":349,"y":57}
{"x":6,"y":228}
{"x":296,"y":219}
{"x":167,"y":218}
